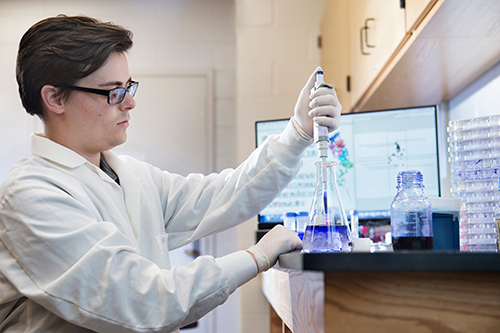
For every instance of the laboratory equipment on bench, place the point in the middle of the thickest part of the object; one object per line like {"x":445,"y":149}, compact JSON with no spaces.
{"x":473,"y":146}
{"x":302,"y":219}
{"x":354,"y":223}
{"x":411,"y":214}
{"x":327,"y":229}
{"x":289,"y":221}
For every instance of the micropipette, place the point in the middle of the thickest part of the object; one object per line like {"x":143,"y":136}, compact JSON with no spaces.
{"x":321,"y":132}
{"x":321,"y":137}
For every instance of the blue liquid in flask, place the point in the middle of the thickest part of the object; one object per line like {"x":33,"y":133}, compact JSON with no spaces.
{"x":326,"y":239}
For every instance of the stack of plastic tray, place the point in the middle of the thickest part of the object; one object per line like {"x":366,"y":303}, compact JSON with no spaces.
{"x":474,"y":154}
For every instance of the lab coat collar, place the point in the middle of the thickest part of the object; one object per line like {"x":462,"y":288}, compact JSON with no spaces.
{"x":130,"y":185}
{"x":65,"y":157}
{"x":48,"y":149}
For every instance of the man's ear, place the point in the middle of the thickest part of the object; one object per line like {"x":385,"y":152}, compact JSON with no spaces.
{"x":52,"y":99}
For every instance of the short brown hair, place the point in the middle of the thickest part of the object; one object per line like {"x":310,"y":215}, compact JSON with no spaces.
{"x":61,"y":50}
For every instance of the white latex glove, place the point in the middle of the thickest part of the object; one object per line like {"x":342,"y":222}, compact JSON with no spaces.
{"x":321,"y":106}
{"x":277,"y":241}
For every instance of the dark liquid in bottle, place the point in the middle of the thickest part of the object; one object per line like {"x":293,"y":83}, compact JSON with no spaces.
{"x":412,"y":243}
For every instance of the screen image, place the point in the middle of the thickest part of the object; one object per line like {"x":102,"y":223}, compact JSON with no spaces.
{"x":370,"y":149}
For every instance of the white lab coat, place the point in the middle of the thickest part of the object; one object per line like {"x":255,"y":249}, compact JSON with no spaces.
{"x":80,"y":253}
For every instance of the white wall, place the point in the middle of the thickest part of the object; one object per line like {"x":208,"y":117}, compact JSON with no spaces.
{"x":276,"y":52}
{"x":168,"y":35}
{"x":479,"y":99}
{"x":174,"y":34}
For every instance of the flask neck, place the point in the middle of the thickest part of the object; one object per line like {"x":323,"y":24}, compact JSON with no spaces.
{"x":320,"y":175}
{"x":326,"y":199}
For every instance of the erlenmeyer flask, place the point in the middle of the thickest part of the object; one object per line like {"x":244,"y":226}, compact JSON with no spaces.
{"x":327,"y":230}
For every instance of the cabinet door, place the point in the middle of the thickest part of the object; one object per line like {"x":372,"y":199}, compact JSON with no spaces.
{"x":335,"y":49}
{"x":376,"y":29}
{"x":413,"y":10}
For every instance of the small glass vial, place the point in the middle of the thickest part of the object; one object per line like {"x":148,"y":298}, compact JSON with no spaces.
{"x":289,"y":221}
{"x":411,"y":214}
{"x":302,"y":219}
{"x":327,"y":229}
{"x":354,"y":223}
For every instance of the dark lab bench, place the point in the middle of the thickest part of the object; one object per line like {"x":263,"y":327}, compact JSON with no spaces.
{"x":425,"y":291}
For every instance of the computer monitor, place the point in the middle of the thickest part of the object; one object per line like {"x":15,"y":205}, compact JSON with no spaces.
{"x":370,"y":148}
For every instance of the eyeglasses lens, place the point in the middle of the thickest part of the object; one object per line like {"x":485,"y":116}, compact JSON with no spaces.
{"x":133,"y":88}
{"x":118,"y":95}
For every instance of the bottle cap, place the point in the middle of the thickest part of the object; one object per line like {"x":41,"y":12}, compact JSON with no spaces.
{"x":410,"y":177}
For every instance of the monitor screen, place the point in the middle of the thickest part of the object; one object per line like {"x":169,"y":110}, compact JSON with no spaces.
{"x":370,"y":148}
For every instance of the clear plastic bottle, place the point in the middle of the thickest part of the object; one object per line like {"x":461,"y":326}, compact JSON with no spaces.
{"x":327,"y":229}
{"x":411,"y":214}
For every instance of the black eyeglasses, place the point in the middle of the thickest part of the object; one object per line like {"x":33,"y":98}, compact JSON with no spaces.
{"x":115,"y":96}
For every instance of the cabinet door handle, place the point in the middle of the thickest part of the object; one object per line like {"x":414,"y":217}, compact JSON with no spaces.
{"x":365,"y":28}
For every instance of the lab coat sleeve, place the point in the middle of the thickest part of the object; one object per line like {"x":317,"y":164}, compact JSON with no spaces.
{"x":198,"y":205}
{"x":88,"y":273}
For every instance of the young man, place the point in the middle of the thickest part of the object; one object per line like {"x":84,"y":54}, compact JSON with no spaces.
{"x":85,"y":235}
